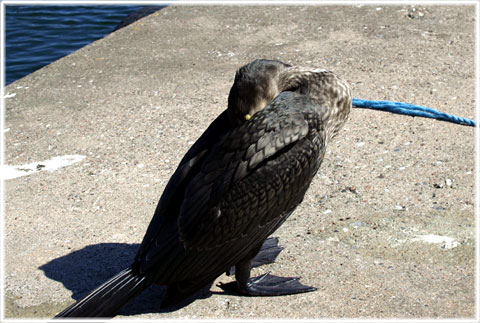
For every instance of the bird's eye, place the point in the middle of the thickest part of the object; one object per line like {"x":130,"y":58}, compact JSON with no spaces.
{"x":292,"y":87}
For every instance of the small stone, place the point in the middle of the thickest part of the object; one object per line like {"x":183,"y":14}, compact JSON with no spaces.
{"x":448,"y":182}
{"x":358,"y":224}
{"x":399,"y":208}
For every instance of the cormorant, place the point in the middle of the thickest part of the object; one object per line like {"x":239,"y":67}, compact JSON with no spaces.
{"x":235,"y":186}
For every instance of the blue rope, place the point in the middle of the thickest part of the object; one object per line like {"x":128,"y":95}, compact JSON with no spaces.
{"x":411,"y":110}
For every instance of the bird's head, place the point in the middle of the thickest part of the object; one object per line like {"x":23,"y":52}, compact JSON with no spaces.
{"x":259,"y":82}
{"x":324,"y":88}
{"x":255,"y":86}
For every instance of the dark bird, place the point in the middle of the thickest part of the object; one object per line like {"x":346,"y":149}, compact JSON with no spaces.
{"x":235,"y":186}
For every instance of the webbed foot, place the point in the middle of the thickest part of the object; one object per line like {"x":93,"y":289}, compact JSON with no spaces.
{"x":268,"y":285}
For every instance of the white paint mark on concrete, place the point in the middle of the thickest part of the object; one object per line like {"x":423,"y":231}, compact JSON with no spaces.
{"x":447,"y":242}
{"x":9,"y":95}
{"x":10,"y":172}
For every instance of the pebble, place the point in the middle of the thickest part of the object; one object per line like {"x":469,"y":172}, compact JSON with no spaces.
{"x":358,"y":224}
{"x":399,"y":208}
{"x":448,"y":182}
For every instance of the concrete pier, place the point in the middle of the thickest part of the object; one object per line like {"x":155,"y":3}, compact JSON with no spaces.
{"x":387,"y":229}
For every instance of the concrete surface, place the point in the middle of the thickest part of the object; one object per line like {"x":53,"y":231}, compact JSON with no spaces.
{"x":387,"y":229}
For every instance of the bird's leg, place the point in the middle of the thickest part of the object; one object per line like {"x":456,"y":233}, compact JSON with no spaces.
{"x":267,"y":254}
{"x":264,"y":285}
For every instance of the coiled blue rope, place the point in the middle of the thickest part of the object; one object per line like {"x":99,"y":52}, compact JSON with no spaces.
{"x":411,"y":110}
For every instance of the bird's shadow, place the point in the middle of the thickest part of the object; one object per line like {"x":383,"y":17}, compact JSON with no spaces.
{"x":83,"y":270}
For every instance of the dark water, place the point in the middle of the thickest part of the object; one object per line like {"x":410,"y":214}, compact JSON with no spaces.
{"x":38,"y":35}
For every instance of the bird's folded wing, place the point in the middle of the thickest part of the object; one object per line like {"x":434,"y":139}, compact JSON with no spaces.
{"x":246,"y":151}
{"x":172,"y":197}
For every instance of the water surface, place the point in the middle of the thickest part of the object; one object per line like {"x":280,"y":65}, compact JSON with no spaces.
{"x":35,"y":36}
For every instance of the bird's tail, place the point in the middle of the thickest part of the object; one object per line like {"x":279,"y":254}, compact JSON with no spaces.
{"x":107,"y":299}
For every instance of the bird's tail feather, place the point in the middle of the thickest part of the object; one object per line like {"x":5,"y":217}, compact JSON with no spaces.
{"x":107,"y":299}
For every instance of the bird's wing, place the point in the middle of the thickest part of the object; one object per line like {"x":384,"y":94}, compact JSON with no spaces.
{"x":192,"y":159}
{"x":242,"y":153}
{"x":170,"y":202}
